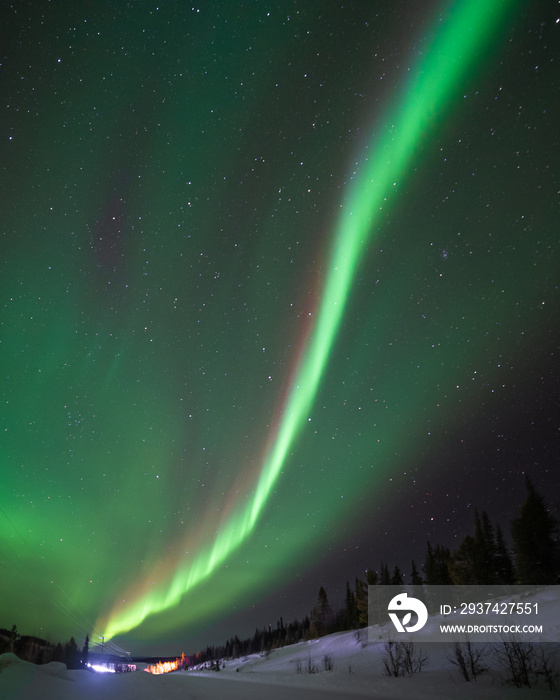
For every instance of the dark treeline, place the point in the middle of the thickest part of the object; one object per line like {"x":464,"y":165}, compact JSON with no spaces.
{"x":481,"y":558}
{"x":41,"y":651}
{"x":262,"y":641}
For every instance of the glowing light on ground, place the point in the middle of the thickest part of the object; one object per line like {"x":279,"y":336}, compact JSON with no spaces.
{"x":165,"y":666}
{"x":99,"y":668}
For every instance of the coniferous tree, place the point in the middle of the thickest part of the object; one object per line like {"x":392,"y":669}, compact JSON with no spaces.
{"x":415,"y":577}
{"x":85,"y":651}
{"x":71,"y":655}
{"x":484,"y":551}
{"x":13,"y":637}
{"x":489,"y":538}
{"x":321,"y":615}
{"x":462,"y":563}
{"x":474,"y":562}
{"x":384,"y":576}
{"x":536,"y":549}
{"x":351,"y":608}
{"x":236,"y":647}
{"x":436,"y":566}
{"x":416,"y":581}
{"x":362,"y":602}
{"x":397,"y":578}
{"x":505,"y":573}
{"x":429,"y":566}
{"x":304,"y":627}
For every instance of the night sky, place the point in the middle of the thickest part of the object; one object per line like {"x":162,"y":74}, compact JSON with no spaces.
{"x":279,"y":301}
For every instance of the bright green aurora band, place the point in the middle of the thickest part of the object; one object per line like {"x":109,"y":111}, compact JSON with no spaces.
{"x":466,"y":31}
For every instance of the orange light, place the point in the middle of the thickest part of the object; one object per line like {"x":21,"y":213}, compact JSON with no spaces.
{"x":165,"y":666}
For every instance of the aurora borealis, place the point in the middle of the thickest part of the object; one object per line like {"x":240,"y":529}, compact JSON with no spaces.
{"x":279,"y":300}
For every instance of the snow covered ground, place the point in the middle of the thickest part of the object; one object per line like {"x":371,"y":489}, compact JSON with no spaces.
{"x":357,"y":673}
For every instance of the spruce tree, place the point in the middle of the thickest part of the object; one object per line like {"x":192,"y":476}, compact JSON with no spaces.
{"x":429,"y":566}
{"x":416,"y":581}
{"x":235,"y":648}
{"x":71,"y":654}
{"x":384,"y":577}
{"x":415,"y":577}
{"x":321,"y":615}
{"x":474,"y":562}
{"x":536,"y":550}
{"x":462,"y":563}
{"x":489,"y":537}
{"x":85,"y":651}
{"x":485,"y":551}
{"x":351,"y":609}
{"x":13,"y":637}
{"x":436,"y":566}
{"x":505,"y":573}
{"x":397,"y":578}
{"x":362,"y":602}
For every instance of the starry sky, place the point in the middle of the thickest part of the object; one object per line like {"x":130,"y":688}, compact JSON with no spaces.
{"x":279,"y":301}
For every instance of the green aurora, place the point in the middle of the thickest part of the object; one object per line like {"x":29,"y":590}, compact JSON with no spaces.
{"x":224,"y":333}
{"x":447,"y":60}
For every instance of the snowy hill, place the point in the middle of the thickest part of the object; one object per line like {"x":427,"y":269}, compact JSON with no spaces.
{"x":340,"y":666}
{"x":357,"y":672}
